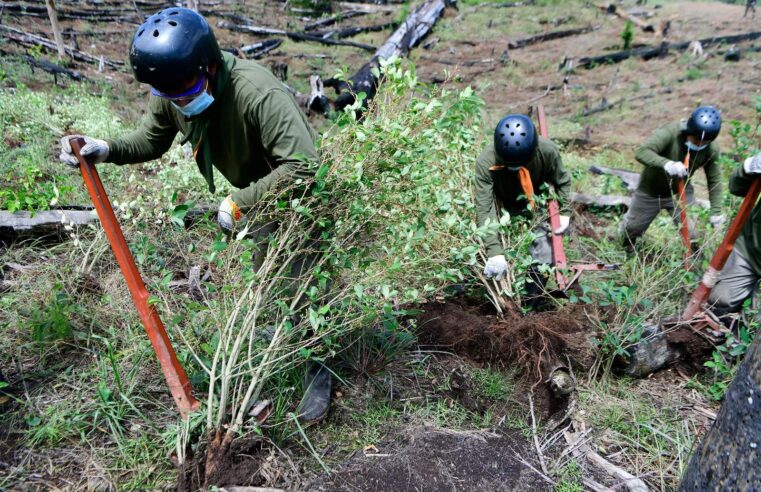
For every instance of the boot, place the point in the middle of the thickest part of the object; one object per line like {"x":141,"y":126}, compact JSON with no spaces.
{"x":318,"y":382}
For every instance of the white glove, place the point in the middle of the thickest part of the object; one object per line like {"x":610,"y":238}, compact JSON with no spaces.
{"x":752,"y":165}
{"x":496,"y":267}
{"x":565,"y":221}
{"x":227,"y":214}
{"x":96,"y":149}
{"x":675,"y":169}
{"x":717,"y":220}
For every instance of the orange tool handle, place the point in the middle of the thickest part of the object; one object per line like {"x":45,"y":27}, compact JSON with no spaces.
{"x":178,"y":382}
{"x":685,"y":228}
{"x":722,"y":254}
{"x":558,"y":252}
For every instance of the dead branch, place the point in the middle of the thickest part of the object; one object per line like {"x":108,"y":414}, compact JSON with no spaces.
{"x":50,"y":4}
{"x":630,"y":178}
{"x":548,"y":36}
{"x":295,"y":36}
{"x":28,"y":39}
{"x":258,"y":50}
{"x":650,"y":52}
{"x":54,"y":69}
{"x":353,"y":31}
{"x":333,"y":19}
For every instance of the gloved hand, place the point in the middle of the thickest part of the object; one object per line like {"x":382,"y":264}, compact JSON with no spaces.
{"x":752,"y":165}
{"x":717,"y":220}
{"x":565,"y":221}
{"x":227,"y":214}
{"x":675,"y":169}
{"x":96,"y":149}
{"x":496,"y":267}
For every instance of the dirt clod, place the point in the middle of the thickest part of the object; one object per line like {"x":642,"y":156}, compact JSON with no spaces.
{"x":239,"y":465}
{"x":536,"y":344}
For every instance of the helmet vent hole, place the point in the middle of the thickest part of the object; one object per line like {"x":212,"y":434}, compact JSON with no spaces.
{"x":140,"y":33}
{"x":172,"y":23}
{"x":517,"y":144}
{"x":512,"y":134}
{"x":157,"y":21}
{"x":501,"y":134}
{"x":174,"y":12}
{"x":523,"y":134}
{"x":155,"y":33}
{"x":518,"y":125}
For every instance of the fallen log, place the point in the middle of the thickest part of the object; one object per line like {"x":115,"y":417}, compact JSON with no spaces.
{"x":605,"y":105}
{"x":47,"y":223}
{"x":333,"y":19}
{"x":348,"y":32}
{"x":258,"y":50}
{"x":415,"y":27}
{"x":295,"y":36}
{"x":649,"y":52}
{"x":630,"y":178}
{"x":28,"y":39}
{"x":54,"y":69}
{"x":602,"y":201}
{"x":507,"y":5}
{"x":548,"y":36}
{"x":622,"y":14}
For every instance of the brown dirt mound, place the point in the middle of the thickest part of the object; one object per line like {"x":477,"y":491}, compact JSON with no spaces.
{"x":536,"y":344}
{"x":438,"y":459}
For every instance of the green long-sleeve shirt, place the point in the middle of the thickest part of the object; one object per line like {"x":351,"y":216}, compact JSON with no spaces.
{"x":749,"y":242}
{"x":502,"y":188}
{"x":668,"y":144}
{"x":256,"y":133}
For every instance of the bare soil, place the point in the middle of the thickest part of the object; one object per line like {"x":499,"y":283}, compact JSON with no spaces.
{"x":430,"y":459}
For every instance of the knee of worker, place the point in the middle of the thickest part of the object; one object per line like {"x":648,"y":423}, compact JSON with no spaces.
{"x":541,"y":249}
{"x":726,"y":300}
{"x":633,"y":225}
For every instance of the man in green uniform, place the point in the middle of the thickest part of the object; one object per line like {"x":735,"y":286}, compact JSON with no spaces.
{"x":234,"y":113}
{"x":508,"y":172}
{"x":663,"y":157}
{"x":742,"y":272}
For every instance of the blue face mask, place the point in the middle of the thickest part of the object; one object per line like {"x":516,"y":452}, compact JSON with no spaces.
{"x":197,"y":105}
{"x":695,"y":148}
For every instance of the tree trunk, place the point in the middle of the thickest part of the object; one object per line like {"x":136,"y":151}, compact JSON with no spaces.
{"x":728,"y":455}
{"x":53,"y":14}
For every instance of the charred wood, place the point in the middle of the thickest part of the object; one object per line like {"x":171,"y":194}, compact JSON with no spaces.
{"x":548,"y":36}
{"x":333,"y":19}
{"x":258,"y":50}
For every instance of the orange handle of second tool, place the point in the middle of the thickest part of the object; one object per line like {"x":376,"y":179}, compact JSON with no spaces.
{"x":177,"y":379}
{"x":685,"y":225}
{"x":725,"y":249}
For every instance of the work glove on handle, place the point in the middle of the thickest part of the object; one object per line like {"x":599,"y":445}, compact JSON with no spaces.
{"x":565,"y":221}
{"x":717,"y":220}
{"x":752,"y":165}
{"x":94,"y":148}
{"x":675,"y":169}
{"x":496,"y":267}
{"x":228,"y":214}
